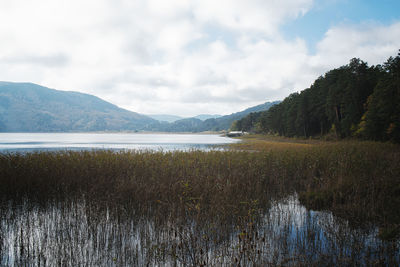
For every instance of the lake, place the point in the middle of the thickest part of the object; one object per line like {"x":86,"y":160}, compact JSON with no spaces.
{"x":118,"y":141}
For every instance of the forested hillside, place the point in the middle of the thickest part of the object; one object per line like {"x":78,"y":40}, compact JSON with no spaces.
{"x":28,"y":107}
{"x":355,"y":100}
{"x":212,"y":124}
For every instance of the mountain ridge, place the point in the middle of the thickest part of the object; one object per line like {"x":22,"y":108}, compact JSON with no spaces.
{"x":28,"y":107}
{"x":214,"y":124}
{"x":165,"y":117}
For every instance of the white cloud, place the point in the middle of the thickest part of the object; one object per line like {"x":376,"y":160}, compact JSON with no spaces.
{"x":371,"y":42}
{"x":255,"y":15}
{"x":180,"y":57}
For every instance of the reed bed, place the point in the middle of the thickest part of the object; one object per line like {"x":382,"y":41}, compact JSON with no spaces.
{"x":196,"y":208}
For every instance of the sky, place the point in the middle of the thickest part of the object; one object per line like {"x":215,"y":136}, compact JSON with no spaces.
{"x":190,"y":57}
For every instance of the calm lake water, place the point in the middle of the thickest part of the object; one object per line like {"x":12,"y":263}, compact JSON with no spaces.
{"x":88,"y":141}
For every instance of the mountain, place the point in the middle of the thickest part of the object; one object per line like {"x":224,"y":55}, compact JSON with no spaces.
{"x":28,"y":107}
{"x":204,"y":117}
{"x":213,"y":124}
{"x":225,"y":122}
{"x":258,"y":108}
{"x":184,"y":125}
{"x":165,"y":117}
{"x":173,"y":118}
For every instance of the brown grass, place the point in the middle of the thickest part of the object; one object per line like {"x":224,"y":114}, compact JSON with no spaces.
{"x":204,"y":208}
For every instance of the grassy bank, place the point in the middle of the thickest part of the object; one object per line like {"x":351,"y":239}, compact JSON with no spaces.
{"x":215,"y":181}
{"x":198,"y":200}
{"x":357,"y":180}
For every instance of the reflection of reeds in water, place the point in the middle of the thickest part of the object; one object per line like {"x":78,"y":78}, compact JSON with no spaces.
{"x":73,"y":234}
{"x":218,"y":208}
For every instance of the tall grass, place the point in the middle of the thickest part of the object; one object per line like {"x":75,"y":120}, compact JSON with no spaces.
{"x":202,"y":208}
{"x":356,"y":180}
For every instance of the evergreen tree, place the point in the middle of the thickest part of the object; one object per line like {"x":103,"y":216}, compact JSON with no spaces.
{"x":353,"y":100}
{"x":382,"y":120}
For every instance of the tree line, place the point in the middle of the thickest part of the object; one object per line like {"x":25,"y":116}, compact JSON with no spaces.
{"x":355,"y":100}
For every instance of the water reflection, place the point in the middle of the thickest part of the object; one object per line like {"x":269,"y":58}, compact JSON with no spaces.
{"x":72,"y":233}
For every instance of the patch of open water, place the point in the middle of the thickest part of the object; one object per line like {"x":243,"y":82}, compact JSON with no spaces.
{"x":116,"y":141}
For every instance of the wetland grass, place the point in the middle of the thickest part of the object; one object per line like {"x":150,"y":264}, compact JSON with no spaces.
{"x":196,"y":208}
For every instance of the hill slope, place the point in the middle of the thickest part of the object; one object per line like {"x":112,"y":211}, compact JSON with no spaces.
{"x":27,"y":107}
{"x":165,"y":117}
{"x":204,"y":117}
{"x":213,"y":124}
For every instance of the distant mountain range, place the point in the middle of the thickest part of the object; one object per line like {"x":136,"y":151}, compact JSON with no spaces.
{"x":173,"y":118}
{"x":165,"y":117}
{"x":28,"y":107}
{"x":204,"y":117}
{"x":213,"y":124}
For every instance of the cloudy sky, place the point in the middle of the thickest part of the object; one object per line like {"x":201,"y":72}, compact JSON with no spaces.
{"x":187,"y":57}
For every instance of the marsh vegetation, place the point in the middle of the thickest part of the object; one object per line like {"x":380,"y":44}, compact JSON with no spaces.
{"x":263,"y":203}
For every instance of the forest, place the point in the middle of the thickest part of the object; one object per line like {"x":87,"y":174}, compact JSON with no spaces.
{"x":353,"y":101}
